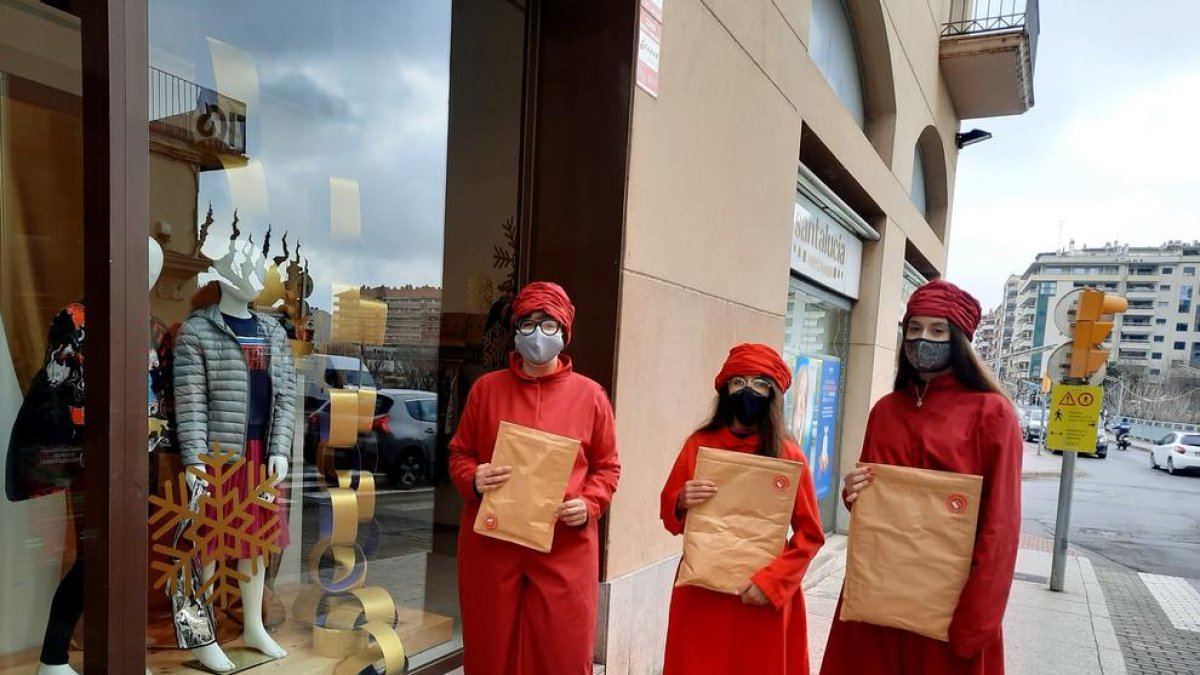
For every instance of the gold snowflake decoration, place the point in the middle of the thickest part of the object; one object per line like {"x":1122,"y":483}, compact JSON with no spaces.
{"x":220,"y":527}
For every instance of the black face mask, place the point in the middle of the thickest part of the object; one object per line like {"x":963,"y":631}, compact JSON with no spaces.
{"x":749,"y":408}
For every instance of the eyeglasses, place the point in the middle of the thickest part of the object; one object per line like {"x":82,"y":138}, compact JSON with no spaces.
{"x":550,"y":327}
{"x":759,"y":386}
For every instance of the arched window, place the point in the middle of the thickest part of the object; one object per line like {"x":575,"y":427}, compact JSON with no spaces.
{"x":917,"y":191}
{"x":832,"y":45}
{"x":849,"y":44}
{"x":930,"y":180}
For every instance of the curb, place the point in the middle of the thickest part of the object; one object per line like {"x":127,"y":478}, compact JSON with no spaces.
{"x":1027,"y":475}
{"x":1112,"y":660}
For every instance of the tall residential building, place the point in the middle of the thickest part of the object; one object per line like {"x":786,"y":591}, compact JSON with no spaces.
{"x":414,"y":314}
{"x":1160,"y":331}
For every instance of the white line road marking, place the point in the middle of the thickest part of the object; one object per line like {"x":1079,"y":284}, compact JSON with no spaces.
{"x":1178,"y":598}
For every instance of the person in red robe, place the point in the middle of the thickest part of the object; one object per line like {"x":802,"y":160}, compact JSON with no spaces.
{"x":948,"y":414}
{"x":764,"y":630}
{"x":525,"y":612}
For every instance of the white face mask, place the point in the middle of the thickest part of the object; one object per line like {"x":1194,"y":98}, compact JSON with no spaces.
{"x":539,"y":348}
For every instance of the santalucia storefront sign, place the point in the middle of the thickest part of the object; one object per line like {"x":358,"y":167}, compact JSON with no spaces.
{"x":824,"y":251}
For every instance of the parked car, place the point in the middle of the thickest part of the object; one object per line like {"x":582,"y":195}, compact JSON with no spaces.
{"x":408,"y":436}
{"x":1033,"y":424}
{"x":1177,"y":452}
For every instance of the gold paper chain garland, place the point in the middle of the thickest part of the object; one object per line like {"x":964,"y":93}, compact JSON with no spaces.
{"x":359,"y":624}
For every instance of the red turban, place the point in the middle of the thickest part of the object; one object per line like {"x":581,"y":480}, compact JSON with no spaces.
{"x":549,"y":298}
{"x":942,"y":298}
{"x":755,"y":359}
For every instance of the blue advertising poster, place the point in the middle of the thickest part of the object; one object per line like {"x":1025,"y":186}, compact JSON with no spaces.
{"x":825,"y":434}
{"x":802,"y":415}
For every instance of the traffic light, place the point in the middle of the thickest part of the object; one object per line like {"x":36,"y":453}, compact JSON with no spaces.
{"x":1090,"y":331}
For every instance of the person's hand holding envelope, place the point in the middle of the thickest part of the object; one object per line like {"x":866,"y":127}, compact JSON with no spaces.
{"x":523,"y":487}
{"x":743,"y":526}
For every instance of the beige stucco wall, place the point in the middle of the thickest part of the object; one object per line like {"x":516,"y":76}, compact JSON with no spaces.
{"x":711,"y":187}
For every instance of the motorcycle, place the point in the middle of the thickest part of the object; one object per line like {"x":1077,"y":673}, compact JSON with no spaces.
{"x":1123,"y":441}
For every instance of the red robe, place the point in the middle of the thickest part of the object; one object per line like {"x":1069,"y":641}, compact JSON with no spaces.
{"x":526,"y":612}
{"x":963,"y":431}
{"x":712,"y":633}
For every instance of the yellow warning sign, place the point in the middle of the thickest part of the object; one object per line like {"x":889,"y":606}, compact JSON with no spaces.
{"x":1074,"y":418}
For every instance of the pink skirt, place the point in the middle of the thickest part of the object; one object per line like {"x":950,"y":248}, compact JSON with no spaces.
{"x":243,"y":482}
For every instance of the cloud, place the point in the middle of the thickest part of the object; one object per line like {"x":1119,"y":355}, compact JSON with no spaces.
{"x":1107,"y":153}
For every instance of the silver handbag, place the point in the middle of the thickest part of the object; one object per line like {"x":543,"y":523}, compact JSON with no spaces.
{"x":195,"y":625}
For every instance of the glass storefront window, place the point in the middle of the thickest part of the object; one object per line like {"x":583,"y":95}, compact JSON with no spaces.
{"x":335,"y":190}
{"x":817,"y":344}
{"x":42,"y":338}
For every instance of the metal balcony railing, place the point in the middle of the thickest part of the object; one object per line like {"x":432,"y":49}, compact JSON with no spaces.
{"x":196,"y":114}
{"x":977,"y":17}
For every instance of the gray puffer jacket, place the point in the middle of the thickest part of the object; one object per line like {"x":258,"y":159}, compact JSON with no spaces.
{"x":212,"y":386}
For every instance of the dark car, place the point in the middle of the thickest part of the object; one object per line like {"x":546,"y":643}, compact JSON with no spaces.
{"x":408,"y":442}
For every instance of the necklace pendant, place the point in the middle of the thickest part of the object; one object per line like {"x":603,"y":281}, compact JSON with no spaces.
{"x":920,"y":403}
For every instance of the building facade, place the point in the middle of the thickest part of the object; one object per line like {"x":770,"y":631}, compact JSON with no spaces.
{"x":1160,"y":330}
{"x":695,"y":173}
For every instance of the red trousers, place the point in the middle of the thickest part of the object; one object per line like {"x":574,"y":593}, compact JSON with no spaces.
{"x":525,"y":612}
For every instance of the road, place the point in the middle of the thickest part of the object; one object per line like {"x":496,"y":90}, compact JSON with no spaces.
{"x":1124,"y":511}
{"x":1141,"y":529}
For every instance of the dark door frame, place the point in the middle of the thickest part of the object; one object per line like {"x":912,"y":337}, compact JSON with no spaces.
{"x":115,"y":55}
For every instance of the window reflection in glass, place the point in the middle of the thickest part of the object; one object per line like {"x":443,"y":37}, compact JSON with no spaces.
{"x":373,"y":166}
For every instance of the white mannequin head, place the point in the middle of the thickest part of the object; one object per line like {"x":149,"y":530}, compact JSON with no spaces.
{"x":241,"y":272}
{"x":156,"y":262}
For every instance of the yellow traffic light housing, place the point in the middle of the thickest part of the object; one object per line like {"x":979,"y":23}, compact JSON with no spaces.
{"x":1087,"y":356}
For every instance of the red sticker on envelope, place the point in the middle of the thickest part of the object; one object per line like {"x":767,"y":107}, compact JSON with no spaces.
{"x":490,"y":522}
{"x":781,"y":483}
{"x":956,"y":503}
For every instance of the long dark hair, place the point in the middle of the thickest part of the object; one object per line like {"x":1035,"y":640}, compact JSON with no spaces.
{"x":771,"y":431}
{"x":965,"y":364}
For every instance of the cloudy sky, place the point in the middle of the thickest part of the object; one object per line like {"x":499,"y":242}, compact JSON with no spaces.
{"x":1111,"y":149}
{"x":351,"y":93}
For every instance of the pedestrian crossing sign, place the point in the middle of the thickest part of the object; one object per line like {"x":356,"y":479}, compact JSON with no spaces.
{"x":1074,"y":418}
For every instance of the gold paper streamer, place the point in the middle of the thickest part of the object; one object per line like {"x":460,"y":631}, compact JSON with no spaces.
{"x":345,"y":559}
{"x":366,"y":496}
{"x":343,"y":418}
{"x":366,"y":410}
{"x":344,"y":505}
{"x":387,"y":648}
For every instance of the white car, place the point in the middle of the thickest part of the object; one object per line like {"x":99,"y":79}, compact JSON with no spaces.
{"x":1176,"y":452}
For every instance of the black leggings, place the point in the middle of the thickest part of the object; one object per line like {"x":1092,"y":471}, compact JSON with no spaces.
{"x":65,"y":611}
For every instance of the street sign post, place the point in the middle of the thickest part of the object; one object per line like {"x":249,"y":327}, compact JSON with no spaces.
{"x":1074,"y":416}
{"x":1076,"y":368}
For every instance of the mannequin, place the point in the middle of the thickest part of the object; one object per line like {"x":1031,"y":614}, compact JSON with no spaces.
{"x":248,"y":345}
{"x":67,"y":606}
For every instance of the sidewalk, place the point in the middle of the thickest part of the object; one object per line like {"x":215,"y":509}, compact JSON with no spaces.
{"x":1045,"y":465}
{"x":1065,"y":633}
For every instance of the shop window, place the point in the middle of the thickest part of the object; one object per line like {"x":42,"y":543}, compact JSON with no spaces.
{"x":332,"y":170}
{"x":43,"y":337}
{"x":817,"y":345}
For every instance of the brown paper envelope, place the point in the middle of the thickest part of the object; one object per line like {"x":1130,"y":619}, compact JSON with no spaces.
{"x":912,"y":537}
{"x":730,"y":537}
{"x":522,"y":510}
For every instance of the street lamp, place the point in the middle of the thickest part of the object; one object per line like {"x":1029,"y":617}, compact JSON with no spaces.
{"x":962,"y":140}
